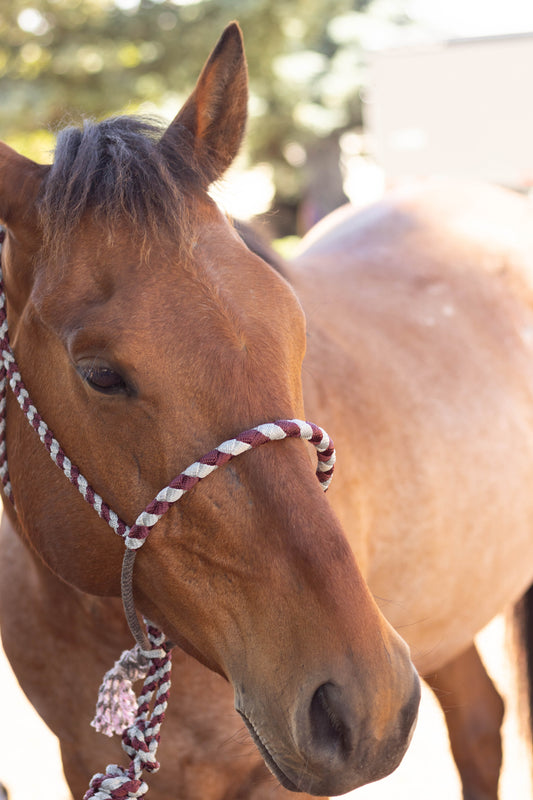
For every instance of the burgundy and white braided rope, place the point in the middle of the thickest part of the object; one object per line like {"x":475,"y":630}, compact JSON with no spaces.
{"x":140,"y":739}
{"x":255,"y":437}
{"x":136,"y":535}
{"x":9,"y":373}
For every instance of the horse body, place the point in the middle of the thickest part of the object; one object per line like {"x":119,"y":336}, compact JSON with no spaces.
{"x":148,"y":333}
{"x":420,"y":344}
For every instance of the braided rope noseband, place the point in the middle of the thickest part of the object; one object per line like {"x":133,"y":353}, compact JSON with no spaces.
{"x":117,"y":709}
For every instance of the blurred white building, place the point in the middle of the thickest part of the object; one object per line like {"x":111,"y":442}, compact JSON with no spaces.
{"x":462,"y":107}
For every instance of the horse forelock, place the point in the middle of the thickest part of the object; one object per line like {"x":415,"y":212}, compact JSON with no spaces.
{"x":116,"y":171}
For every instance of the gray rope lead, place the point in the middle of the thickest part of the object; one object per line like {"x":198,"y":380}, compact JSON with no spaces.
{"x":128,"y":602}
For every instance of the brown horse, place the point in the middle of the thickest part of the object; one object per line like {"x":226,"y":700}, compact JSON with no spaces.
{"x":147,"y":333}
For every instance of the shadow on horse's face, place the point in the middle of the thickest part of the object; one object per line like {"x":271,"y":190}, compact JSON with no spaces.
{"x":147,"y":333}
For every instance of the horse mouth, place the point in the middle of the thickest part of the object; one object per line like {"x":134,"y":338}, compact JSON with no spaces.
{"x":268,"y":758}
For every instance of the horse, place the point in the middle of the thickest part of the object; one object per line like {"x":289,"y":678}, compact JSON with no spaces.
{"x":146,"y":332}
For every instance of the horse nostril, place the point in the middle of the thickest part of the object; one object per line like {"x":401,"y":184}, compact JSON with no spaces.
{"x":329,"y":729}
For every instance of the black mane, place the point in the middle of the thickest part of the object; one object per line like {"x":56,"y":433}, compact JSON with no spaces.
{"x":116,"y":170}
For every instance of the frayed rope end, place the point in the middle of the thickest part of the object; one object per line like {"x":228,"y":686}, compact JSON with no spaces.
{"x":116,"y":707}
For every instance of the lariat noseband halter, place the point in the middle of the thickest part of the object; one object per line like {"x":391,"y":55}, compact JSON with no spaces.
{"x":117,"y":709}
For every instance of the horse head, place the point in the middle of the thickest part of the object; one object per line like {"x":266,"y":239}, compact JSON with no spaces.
{"x":147,"y":333}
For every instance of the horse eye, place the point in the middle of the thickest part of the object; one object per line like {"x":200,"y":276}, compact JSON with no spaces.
{"x":104,"y":379}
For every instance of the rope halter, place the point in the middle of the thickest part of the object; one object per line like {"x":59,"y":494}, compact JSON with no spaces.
{"x":117,"y":708}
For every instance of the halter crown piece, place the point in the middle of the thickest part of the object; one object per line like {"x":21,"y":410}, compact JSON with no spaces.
{"x":118,"y":710}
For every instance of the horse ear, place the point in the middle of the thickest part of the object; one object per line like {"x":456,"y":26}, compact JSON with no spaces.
{"x":20,"y":181}
{"x":215,"y":113}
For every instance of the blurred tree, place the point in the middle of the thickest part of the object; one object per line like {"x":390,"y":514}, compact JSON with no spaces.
{"x":61,"y":59}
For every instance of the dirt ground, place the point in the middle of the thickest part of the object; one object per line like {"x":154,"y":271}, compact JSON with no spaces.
{"x":30,"y":765}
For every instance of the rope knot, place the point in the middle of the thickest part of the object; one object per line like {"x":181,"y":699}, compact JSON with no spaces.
{"x":140,"y":743}
{"x":116,"y":784}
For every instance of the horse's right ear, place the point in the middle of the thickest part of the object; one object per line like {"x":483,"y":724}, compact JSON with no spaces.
{"x":215,"y":114}
{"x":20,"y":182}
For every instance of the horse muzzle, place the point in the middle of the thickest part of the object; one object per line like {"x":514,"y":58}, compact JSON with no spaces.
{"x":330,"y":744}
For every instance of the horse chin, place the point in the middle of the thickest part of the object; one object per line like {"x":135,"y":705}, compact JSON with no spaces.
{"x":269,"y":760}
{"x":329,"y":747}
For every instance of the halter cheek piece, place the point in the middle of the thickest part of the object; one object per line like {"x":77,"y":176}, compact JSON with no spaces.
{"x":116,"y":708}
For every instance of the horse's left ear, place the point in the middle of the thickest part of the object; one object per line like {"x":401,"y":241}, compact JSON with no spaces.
{"x":20,"y":182}
{"x":215,"y":113}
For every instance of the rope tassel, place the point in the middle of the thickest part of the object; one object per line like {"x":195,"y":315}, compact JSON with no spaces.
{"x":117,"y":703}
{"x":140,"y":738}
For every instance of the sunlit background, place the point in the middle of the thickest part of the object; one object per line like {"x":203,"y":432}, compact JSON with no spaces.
{"x":317,"y":70}
{"x":347,"y":97}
